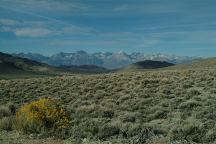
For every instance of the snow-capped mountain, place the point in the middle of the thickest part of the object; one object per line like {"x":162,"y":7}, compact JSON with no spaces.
{"x":107,"y":59}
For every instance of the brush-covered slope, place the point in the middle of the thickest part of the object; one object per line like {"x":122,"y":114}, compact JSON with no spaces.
{"x":196,"y":64}
{"x":86,"y":69}
{"x":148,"y":64}
{"x":16,"y":67}
{"x":11,"y":64}
{"x":163,"y":107}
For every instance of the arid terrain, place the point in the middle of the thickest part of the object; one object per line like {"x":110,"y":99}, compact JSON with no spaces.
{"x":171,"y":105}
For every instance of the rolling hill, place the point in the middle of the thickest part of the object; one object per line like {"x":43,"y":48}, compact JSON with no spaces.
{"x":17,"y":67}
{"x":196,"y":64}
{"x":149,"y":64}
{"x":162,"y":65}
{"x":140,"y":107}
{"x":11,"y":64}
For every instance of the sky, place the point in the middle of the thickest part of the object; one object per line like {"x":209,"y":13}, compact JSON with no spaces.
{"x":181,"y":27}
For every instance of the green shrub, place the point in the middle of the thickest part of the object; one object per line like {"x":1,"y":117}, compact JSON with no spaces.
{"x":128,"y":117}
{"x":190,"y":130}
{"x":86,"y":109}
{"x":159,"y":140}
{"x":190,"y":104}
{"x":159,"y":114}
{"x":88,"y":141}
{"x":144,"y":135}
{"x":193,"y":92}
{"x":108,"y":130}
{"x":108,"y":113}
{"x":130,"y":129}
{"x":210,"y":135}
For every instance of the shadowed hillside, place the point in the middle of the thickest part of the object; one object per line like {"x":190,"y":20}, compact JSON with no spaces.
{"x":16,"y":67}
{"x":149,"y":64}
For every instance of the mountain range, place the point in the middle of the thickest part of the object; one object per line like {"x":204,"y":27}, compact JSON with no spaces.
{"x":18,"y":67}
{"x":103,"y":59}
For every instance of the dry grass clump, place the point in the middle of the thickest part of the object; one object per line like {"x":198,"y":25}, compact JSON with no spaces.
{"x":41,"y":115}
{"x":7,"y":118}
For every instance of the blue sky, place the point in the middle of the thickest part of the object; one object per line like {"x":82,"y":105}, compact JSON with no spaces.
{"x":181,"y":27}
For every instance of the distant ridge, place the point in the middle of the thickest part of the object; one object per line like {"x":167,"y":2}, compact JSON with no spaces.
{"x":104,"y":59}
{"x":17,"y":67}
{"x":84,"y":69}
{"x":8,"y":62}
{"x":149,"y":64}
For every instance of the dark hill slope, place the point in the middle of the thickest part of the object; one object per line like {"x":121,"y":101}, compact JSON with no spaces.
{"x":149,"y":64}
{"x":16,"y":67}
{"x":12,"y":64}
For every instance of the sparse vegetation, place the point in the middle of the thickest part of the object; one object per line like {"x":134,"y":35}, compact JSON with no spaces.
{"x":165,"y":106}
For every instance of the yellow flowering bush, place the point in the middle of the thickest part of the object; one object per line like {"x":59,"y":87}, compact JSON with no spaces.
{"x":44,"y":114}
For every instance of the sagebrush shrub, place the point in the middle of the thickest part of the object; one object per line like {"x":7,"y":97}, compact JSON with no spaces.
{"x":41,"y":115}
{"x":4,"y":111}
{"x":7,"y":123}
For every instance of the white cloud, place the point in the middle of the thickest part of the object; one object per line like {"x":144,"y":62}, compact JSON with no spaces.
{"x":76,"y":30}
{"x":121,"y":8}
{"x":148,"y":43}
{"x":178,"y":26}
{"x":8,"y":22}
{"x":32,"y":32}
{"x":158,"y":8}
{"x":27,"y":29}
{"x":5,"y":29}
{"x":83,"y":42}
{"x":150,"y":8}
{"x":54,"y":6}
{"x":41,"y":28}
